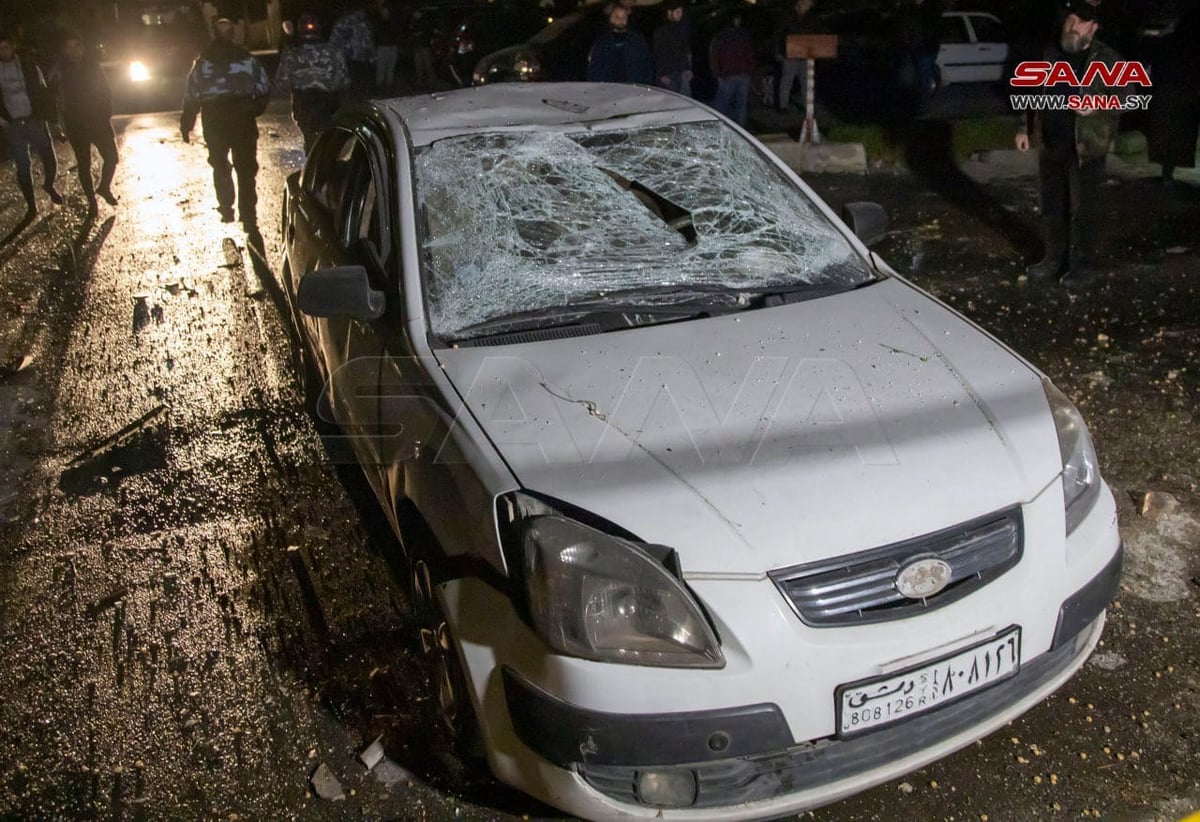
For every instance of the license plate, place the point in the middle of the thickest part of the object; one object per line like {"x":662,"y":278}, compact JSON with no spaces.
{"x":869,"y":704}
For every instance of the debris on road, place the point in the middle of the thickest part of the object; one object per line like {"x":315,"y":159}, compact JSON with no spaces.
{"x":373,"y":753}
{"x":326,"y":784}
{"x":1158,"y":504}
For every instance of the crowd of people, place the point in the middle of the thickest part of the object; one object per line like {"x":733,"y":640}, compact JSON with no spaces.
{"x":365,"y":44}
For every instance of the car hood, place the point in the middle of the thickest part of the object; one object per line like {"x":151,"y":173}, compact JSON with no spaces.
{"x":773,"y":437}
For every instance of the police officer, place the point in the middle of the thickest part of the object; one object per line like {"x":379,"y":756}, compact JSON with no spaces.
{"x":229,"y":88}
{"x":316,"y":73}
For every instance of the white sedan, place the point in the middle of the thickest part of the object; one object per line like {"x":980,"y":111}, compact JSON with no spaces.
{"x":709,"y":513}
{"x":973,"y":48}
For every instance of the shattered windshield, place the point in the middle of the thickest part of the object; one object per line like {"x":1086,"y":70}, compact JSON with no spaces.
{"x":525,"y":220}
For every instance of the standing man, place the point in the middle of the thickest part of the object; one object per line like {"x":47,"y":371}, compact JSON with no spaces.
{"x":791,"y":69}
{"x":85,"y":107}
{"x":620,"y":54}
{"x":352,"y":34}
{"x":673,"y":50}
{"x":921,"y":36}
{"x":26,"y":106}
{"x":229,"y":89}
{"x":317,"y":75}
{"x":731,"y":58}
{"x":389,"y":31}
{"x":1074,"y":146}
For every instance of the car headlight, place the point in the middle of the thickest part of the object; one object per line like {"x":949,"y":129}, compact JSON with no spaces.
{"x":138,"y":72}
{"x":596,"y":596}
{"x":1081,"y":470}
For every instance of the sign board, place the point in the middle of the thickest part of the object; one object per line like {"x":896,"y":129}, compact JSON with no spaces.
{"x":812,"y":46}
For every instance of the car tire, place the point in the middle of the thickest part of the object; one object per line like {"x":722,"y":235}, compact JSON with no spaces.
{"x":453,"y":711}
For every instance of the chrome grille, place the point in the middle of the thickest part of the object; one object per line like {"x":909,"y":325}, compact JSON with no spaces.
{"x":861,"y":588}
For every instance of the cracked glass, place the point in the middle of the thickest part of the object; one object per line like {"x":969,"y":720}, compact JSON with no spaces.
{"x":518,"y":221}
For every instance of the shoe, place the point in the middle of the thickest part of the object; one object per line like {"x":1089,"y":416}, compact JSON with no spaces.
{"x":1052,"y":262}
{"x":226,"y":214}
{"x":55,"y":197}
{"x":108,"y":196}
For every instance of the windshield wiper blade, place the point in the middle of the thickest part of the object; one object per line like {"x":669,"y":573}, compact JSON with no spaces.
{"x":801,"y":293}
{"x":607,"y":318}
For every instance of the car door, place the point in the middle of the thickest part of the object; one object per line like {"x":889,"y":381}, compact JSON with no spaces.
{"x":343,"y":218}
{"x":956,"y":53}
{"x":991,"y":47}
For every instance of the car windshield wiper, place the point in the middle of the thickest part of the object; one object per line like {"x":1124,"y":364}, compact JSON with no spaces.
{"x":606,"y":317}
{"x":809,"y":291}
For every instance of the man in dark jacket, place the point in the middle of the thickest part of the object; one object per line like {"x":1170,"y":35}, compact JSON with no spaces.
{"x":26,"y":106}
{"x":316,"y":73}
{"x":673,"y":50}
{"x":791,"y":69}
{"x":620,"y":54}
{"x":1074,"y":147}
{"x":229,"y":88}
{"x":731,"y":58}
{"x":85,"y":109}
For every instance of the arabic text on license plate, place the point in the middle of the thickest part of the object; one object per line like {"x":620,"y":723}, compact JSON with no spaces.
{"x":898,"y":696}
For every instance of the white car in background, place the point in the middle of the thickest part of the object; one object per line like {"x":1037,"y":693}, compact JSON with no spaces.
{"x":709,"y":514}
{"x":974,"y":48}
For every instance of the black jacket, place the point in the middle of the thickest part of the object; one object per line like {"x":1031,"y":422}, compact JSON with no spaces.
{"x":41,"y":99}
{"x":83,"y":94}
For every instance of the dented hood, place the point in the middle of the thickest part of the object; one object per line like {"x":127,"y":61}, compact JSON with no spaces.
{"x":773,"y":437}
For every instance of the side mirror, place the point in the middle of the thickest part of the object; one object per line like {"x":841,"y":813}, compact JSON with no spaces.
{"x":868,"y":221}
{"x":342,"y":291}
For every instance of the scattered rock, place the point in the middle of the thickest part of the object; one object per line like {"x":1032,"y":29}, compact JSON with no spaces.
{"x":326,"y":784}
{"x":373,"y":753}
{"x":905,"y":787}
{"x":1158,"y":504}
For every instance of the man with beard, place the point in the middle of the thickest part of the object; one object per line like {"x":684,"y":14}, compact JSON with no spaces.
{"x":1074,"y":146}
{"x":620,"y":54}
{"x":229,"y":89}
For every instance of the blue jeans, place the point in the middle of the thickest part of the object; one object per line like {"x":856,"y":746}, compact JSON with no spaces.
{"x":31,"y":133}
{"x":733,"y":95}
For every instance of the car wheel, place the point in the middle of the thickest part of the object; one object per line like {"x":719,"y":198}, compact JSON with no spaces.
{"x":455,"y":715}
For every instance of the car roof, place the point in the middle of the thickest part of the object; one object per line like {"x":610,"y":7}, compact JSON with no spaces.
{"x":537,"y":106}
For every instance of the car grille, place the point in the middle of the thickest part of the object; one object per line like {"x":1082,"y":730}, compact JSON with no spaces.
{"x":861,"y":588}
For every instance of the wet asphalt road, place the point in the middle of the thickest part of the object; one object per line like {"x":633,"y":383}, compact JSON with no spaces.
{"x":197,"y":608}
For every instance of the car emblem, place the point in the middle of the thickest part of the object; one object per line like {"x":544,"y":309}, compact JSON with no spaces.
{"x":924,"y":577}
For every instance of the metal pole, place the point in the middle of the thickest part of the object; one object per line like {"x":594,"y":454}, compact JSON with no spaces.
{"x":810,"y":133}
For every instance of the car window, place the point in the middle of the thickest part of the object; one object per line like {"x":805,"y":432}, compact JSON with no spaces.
{"x":954,"y":30}
{"x":326,"y":174}
{"x":527,"y":220}
{"x":987,"y":30}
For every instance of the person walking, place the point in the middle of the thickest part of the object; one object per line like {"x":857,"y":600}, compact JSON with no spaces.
{"x":85,"y":110}
{"x":672,"y":50}
{"x":791,"y":69}
{"x":229,"y":88}
{"x":620,"y":54}
{"x":26,"y":108}
{"x":731,"y":58}
{"x":316,"y":73}
{"x":1074,"y":147}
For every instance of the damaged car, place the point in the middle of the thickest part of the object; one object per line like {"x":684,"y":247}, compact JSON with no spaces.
{"x":708,"y":512}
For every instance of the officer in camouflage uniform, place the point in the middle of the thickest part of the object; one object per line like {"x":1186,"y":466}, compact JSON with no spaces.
{"x":229,"y":88}
{"x":352,"y":34}
{"x":316,"y":73}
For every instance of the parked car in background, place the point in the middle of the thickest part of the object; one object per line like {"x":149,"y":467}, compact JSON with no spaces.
{"x":476,"y":31}
{"x":708,"y":513}
{"x":974,"y":48}
{"x":560,"y":50}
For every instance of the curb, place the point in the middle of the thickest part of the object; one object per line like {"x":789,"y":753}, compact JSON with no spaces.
{"x":817,"y":158}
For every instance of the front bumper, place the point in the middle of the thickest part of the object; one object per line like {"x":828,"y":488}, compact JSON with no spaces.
{"x":608,"y":751}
